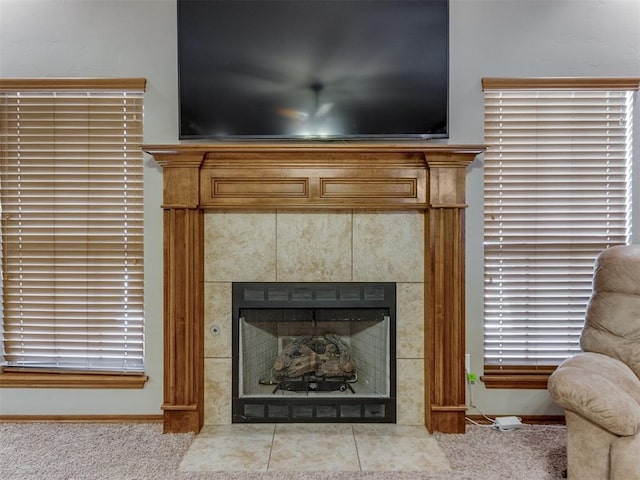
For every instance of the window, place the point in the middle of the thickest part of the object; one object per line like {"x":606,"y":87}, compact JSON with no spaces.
{"x":557,"y":180}
{"x":72,"y":230}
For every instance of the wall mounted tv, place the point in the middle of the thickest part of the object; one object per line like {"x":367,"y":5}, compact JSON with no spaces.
{"x":316,"y":69}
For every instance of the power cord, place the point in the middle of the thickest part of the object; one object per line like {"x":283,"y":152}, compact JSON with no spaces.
{"x":472,"y":405}
{"x":493,"y":423}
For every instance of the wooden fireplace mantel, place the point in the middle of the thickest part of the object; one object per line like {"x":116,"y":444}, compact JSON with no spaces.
{"x":334,"y":175}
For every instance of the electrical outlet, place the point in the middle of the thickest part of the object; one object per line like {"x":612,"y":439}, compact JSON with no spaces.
{"x":471,"y":377}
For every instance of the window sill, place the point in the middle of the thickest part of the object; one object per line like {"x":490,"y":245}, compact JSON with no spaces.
{"x":515,"y":381}
{"x":517,"y":377}
{"x":71,"y":380}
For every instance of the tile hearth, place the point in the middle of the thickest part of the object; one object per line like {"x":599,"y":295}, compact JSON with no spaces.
{"x":314,"y":448}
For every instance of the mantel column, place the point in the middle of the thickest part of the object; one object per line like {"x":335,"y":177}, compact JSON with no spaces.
{"x":183,"y":224}
{"x":444,"y":329}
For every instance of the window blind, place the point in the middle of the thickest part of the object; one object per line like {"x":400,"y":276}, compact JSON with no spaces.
{"x":557,"y":191}
{"x":72,"y":224}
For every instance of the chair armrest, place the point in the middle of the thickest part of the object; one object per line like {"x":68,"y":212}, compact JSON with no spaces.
{"x":600,"y":388}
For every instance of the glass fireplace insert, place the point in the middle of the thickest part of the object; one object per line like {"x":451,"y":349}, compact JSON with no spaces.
{"x":314,"y":352}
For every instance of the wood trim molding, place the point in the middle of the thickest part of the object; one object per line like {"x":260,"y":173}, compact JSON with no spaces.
{"x":70,"y":380}
{"x":535,"y":382}
{"x":73,"y":83}
{"x":562,"y":83}
{"x":314,"y":152}
{"x":255,"y":176}
{"x":517,"y":376}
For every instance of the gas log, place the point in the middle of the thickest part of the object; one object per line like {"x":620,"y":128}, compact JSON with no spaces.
{"x":324,"y":356}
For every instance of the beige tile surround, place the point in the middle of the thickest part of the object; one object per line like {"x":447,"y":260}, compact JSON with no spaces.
{"x":321,"y":247}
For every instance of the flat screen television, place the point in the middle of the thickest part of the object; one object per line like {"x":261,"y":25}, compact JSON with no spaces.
{"x":313,"y":69}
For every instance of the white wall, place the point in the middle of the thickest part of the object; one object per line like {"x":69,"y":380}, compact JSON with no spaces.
{"x":137,"y":38}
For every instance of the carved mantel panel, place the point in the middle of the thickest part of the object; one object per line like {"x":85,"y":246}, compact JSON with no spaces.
{"x":255,"y":176}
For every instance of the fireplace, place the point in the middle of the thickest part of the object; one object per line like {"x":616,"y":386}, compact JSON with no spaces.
{"x":314,"y":352}
{"x":335,"y":176}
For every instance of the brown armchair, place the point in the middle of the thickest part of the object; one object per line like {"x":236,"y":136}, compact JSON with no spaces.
{"x":600,"y":388}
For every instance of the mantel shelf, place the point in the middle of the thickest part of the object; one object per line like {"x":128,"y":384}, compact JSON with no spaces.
{"x":305,"y":147}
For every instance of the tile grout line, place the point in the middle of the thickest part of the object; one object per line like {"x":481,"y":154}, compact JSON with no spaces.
{"x":355,"y":442}
{"x":276,"y":252}
{"x":352,"y":244}
{"x":273,"y":437}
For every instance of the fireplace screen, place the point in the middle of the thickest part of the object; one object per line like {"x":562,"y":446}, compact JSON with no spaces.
{"x":314,"y":352}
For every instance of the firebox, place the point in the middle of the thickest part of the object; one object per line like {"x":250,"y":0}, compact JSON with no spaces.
{"x":314,"y":352}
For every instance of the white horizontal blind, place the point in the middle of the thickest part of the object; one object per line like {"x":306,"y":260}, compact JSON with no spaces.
{"x":72,"y":226}
{"x":557,"y":180}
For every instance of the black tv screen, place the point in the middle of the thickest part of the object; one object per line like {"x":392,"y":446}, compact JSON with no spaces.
{"x":313,"y":68}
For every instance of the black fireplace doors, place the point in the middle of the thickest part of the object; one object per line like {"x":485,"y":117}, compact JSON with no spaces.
{"x":314,"y":352}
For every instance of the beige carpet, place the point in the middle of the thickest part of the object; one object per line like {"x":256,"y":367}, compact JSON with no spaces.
{"x":141,"y":452}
